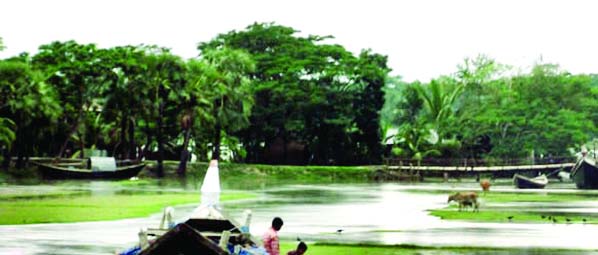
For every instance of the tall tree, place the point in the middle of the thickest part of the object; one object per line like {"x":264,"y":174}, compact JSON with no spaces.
{"x":75,"y":71}
{"x":225,"y":79}
{"x":165,"y":79}
{"x":29,"y":105}
{"x":372,"y":72}
{"x":306,"y":92}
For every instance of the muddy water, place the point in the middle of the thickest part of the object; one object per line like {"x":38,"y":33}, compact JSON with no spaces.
{"x":374,"y":213}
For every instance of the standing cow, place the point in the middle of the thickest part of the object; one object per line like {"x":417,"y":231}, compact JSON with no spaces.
{"x":465,"y":199}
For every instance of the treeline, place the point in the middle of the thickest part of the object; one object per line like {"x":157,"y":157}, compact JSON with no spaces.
{"x":265,"y":93}
{"x":484,"y":111}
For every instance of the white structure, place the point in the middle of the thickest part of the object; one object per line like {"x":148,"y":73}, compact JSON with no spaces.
{"x":210,"y":195}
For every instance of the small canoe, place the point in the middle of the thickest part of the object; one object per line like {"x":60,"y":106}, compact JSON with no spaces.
{"x":76,"y":170}
{"x":524,"y":182}
{"x":585,"y":173}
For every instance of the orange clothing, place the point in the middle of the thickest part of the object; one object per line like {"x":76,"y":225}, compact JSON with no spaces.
{"x":271,"y":243}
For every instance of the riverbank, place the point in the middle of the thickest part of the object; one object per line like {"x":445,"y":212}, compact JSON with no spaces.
{"x":368,"y":249}
{"x":67,"y":203}
{"x":81,"y":206}
{"x":236,"y":175}
{"x":525,"y":207}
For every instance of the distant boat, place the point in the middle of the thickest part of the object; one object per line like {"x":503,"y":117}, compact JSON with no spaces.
{"x":585,"y":173}
{"x":524,"y":182}
{"x":85,"y":169}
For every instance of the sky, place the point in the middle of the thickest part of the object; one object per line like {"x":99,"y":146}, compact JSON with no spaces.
{"x":423,"y":39}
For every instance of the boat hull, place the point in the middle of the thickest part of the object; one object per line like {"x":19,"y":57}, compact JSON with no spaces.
{"x":524,"y":182}
{"x":585,"y":174}
{"x":183,"y":239}
{"x":49,"y":171}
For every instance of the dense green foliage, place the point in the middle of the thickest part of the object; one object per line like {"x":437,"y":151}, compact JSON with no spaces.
{"x":268,"y":95}
{"x":254,"y":91}
{"x":482,"y":113}
{"x":314,"y":102}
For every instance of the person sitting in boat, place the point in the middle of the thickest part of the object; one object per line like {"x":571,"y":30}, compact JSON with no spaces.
{"x":270,"y":238}
{"x":301,"y":249}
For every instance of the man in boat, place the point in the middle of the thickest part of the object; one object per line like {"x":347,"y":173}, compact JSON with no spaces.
{"x":301,"y":249}
{"x":270,"y":238}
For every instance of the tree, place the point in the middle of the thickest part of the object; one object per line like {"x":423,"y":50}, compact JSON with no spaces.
{"x":29,"y":105}
{"x":225,"y":79}
{"x":307,"y":93}
{"x":196,"y":110}
{"x":75,"y":71}
{"x":7,"y":134}
{"x":164,"y":80}
{"x":439,"y":104}
{"x":372,"y":72}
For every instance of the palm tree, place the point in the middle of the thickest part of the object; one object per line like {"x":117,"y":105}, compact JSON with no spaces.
{"x":225,"y":79}
{"x":438,"y":102}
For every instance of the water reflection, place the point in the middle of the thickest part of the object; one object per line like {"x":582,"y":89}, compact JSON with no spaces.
{"x":371,"y":213}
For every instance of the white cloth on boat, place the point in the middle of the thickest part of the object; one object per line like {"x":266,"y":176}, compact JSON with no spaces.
{"x":103,"y":164}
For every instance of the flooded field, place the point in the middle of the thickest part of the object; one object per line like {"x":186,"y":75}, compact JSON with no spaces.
{"x":387,"y":213}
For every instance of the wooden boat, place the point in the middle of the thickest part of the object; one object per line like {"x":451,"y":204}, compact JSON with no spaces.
{"x":183,"y":239}
{"x":585,"y":173}
{"x":207,"y":231}
{"x":212,"y":235}
{"x":82,"y":169}
{"x":524,"y":182}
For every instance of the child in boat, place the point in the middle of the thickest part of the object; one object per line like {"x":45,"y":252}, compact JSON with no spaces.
{"x":270,"y":238}
{"x":301,"y":249}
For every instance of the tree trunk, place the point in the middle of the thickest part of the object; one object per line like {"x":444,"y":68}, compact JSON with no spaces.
{"x":20,"y":143}
{"x":160,"y":169}
{"x":131,"y":152}
{"x":122,"y":152}
{"x":82,"y":144}
{"x":6,"y":153}
{"x":216,"y":145}
{"x":148,"y":143}
{"x":182,"y":170}
{"x":70,"y":133}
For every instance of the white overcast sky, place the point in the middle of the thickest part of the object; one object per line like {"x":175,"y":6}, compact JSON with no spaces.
{"x":423,"y":39}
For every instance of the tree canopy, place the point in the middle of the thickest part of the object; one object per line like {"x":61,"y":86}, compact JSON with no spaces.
{"x":488,"y":115}
{"x":314,"y":102}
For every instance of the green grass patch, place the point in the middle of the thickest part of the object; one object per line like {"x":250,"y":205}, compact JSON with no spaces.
{"x":13,"y":195}
{"x":509,"y":196}
{"x":514,"y":215}
{"x":372,"y":249}
{"x":96,"y":207}
{"x":521,"y":207}
{"x":505,"y":197}
{"x":246,"y":176}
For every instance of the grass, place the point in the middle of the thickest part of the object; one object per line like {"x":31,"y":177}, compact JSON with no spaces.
{"x":55,"y":206}
{"x":372,"y":249}
{"x":530,"y":212}
{"x":513,"y":216}
{"x":235,"y":175}
{"x":94,"y":208}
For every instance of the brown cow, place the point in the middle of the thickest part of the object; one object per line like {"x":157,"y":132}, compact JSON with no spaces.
{"x":465,"y":199}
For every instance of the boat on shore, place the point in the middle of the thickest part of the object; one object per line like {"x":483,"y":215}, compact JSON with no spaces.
{"x":585,"y":173}
{"x":207,"y":231}
{"x":92,"y":168}
{"x":524,"y":182}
